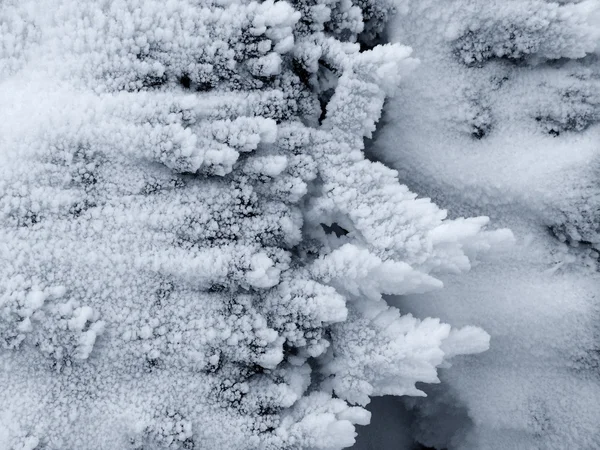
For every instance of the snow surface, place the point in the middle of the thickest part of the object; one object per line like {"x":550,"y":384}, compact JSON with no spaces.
{"x":500,"y":119}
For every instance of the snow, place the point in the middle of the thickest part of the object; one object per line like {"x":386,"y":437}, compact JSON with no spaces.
{"x":197,"y":250}
{"x":505,"y":129}
{"x":166,"y":174}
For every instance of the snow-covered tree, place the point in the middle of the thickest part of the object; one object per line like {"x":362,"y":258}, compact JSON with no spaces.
{"x":194,"y":248}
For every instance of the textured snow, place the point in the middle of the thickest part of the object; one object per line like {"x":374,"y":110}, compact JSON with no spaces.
{"x":197,"y":251}
{"x":168,"y":173}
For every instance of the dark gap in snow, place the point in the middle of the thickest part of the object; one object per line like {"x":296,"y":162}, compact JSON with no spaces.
{"x":334,"y":228}
{"x":323,"y":105}
{"x":391,"y":427}
{"x":215,"y":288}
{"x":479,"y":132}
{"x":301,"y":71}
{"x":366,"y":46}
{"x":185,"y":81}
{"x":376,"y":28}
{"x":151,"y":364}
{"x":369,"y":143}
{"x":327,"y":81}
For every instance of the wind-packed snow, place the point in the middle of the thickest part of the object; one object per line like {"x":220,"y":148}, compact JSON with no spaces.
{"x":194,"y":249}
{"x":500,"y":119}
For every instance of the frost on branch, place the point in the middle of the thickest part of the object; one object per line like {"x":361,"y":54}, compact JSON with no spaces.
{"x":169,"y":172}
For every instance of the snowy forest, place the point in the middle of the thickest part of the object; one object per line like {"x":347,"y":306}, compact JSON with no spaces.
{"x":299,"y":224}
